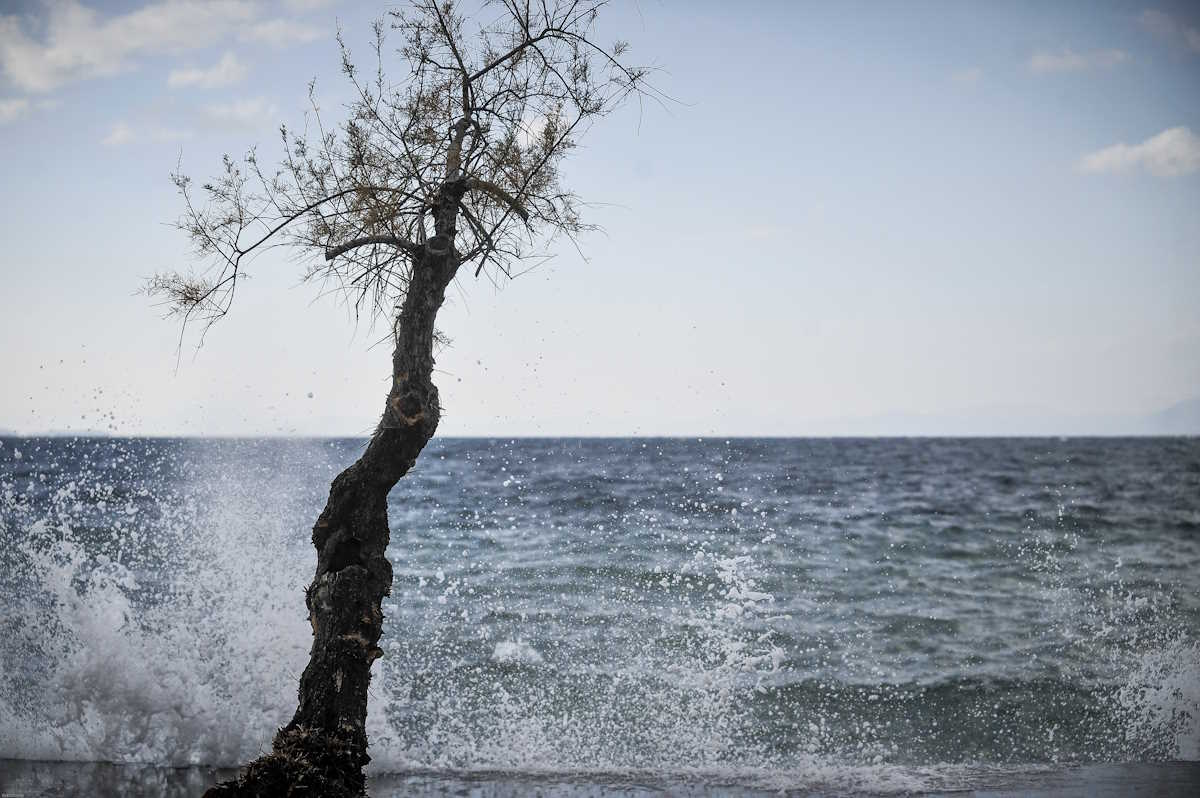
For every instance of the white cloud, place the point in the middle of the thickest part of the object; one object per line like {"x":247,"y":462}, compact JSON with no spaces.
{"x":1174,"y":152}
{"x":12,"y":109}
{"x":250,"y":113}
{"x":223,"y":73}
{"x":1070,"y":61}
{"x":75,"y":42}
{"x":120,"y":133}
{"x":967,"y":77}
{"x":1174,"y":32}
{"x":280,"y":33}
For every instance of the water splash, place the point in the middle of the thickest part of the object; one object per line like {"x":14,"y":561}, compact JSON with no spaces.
{"x":668,"y":700}
{"x":175,"y":642}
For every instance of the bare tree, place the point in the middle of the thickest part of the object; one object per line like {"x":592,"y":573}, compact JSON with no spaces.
{"x":456,"y":165}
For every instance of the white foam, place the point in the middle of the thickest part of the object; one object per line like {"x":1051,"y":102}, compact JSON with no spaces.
{"x":1160,"y":699}
{"x":516,"y":652}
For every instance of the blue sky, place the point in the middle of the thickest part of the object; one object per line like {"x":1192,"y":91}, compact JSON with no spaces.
{"x":875,"y":217}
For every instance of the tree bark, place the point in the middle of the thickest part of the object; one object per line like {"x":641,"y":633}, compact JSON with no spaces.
{"x":323,"y":750}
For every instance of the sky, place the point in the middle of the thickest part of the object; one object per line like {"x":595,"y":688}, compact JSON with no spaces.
{"x":852,"y":218}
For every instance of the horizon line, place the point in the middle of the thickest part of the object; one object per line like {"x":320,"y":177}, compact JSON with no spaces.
{"x":12,"y":435}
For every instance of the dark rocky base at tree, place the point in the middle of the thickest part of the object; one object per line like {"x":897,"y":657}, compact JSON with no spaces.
{"x":303,"y":762}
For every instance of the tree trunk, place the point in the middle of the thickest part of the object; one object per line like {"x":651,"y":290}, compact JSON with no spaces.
{"x":323,"y":750}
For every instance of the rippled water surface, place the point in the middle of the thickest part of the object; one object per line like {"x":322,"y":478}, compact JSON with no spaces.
{"x":879,"y":615}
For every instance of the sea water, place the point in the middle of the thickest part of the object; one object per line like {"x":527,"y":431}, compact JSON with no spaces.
{"x":611,"y":615}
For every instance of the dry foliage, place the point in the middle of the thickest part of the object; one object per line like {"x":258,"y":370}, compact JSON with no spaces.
{"x":484,"y":116}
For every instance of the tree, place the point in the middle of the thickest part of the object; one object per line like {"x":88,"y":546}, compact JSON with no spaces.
{"x":458,"y":165}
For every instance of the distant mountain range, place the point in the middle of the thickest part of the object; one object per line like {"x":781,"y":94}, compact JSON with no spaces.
{"x":1179,"y":419}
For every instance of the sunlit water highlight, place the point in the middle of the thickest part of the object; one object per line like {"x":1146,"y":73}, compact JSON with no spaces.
{"x":880,"y":615}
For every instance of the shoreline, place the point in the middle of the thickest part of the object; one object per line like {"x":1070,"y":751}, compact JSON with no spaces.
{"x":43,"y":779}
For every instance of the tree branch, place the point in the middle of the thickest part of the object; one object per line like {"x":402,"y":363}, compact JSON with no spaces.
{"x":401,"y":243}
{"x":488,"y":187}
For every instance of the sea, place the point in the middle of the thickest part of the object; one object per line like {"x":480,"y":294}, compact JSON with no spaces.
{"x":636,"y":616}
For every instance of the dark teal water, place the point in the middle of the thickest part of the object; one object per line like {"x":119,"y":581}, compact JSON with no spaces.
{"x":863,"y":614}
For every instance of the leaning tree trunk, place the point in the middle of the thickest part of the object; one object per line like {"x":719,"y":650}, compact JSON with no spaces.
{"x":323,"y":750}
